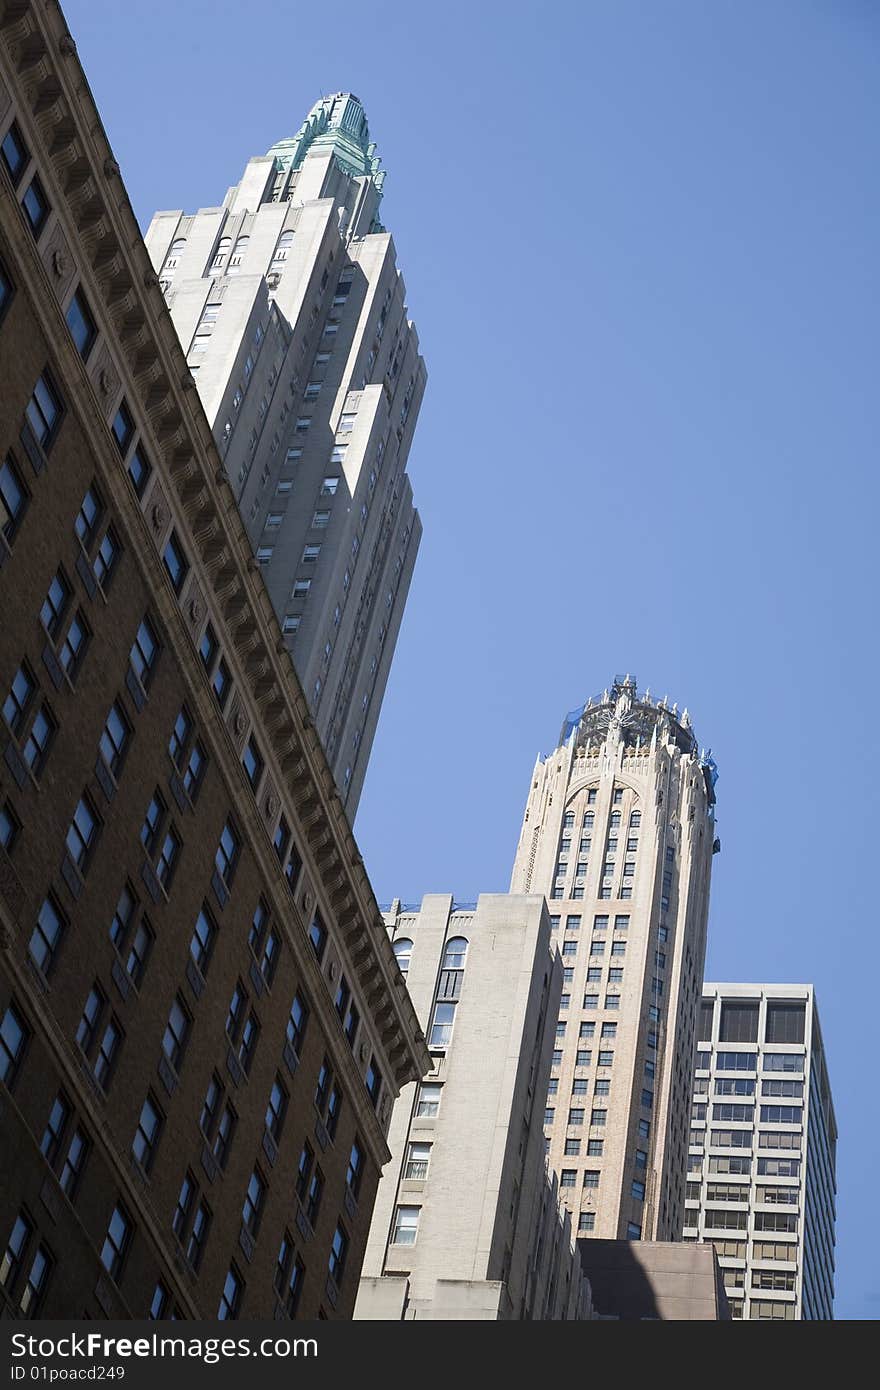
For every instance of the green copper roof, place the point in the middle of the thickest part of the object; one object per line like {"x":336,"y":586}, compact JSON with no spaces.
{"x":337,"y":124}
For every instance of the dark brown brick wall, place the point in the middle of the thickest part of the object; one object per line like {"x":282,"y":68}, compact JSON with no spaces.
{"x":32,"y":335}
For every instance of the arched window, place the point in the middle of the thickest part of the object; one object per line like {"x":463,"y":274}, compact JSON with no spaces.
{"x":455,"y":954}
{"x":176,"y":250}
{"x":222,"y":251}
{"x":403,"y":951}
{"x":284,"y":243}
{"x":240,"y":247}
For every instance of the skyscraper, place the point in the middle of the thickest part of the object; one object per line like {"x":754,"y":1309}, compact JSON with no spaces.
{"x":291,"y":311}
{"x":761,"y":1168}
{"x":618,"y":833}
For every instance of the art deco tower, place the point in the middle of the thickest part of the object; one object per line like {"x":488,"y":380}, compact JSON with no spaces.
{"x":291,"y":311}
{"x":619,"y":833}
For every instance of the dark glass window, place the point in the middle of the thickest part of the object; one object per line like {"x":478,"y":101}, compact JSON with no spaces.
{"x":13,"y":500}
{"x":44,"y":410}
{"x":175,"y":562}
{"x":123,"y":428}
{"x":36,"y":205}
{"x":704,"y":1026}
{"x":139,"y":470}
{"x":15,"y":153}
{"x":785,"y":1023}
{"x":81,"y":324}
{"x":739,"y":1021}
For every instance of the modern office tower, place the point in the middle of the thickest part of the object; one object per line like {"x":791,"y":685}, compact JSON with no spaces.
{"x":467,"y":1222}
{"x":203,"y":1026}
{"x":761,"y":1169}
{"x":619,"y":834}
{"x":291,"y":311}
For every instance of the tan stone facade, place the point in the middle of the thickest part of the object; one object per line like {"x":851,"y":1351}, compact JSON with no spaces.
{"x":467,"y":1223}
{"x":197,"y":993}
{"x":619,"y":833}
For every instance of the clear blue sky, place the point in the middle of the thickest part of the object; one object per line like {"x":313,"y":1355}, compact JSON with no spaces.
{"x":640,"y":243}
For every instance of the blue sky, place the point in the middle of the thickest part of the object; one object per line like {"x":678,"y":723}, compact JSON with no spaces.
{"x":640,"y":246}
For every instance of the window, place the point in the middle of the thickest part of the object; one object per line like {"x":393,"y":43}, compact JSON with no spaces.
{"x":734,"y":1086}
{"x":50,"y":1145}
{"x":6,"y":290}
{"x":373,"y":1081}
{"x":739,"y":1021}
{"x":14,"y":1255}
{"x":402,"y":947}
{"x":9,"y":827}
{"x":198,"y":1235}
{"x":428,"y":1103}
{"x":55,"y":604}
{"x":44,"y":411}
{"x":289,"y":1276}
{"x":18,"y":700}
{"x":602,"y":1087}
{"x":176,"y":1033}
{"x":175,"y":562}
{"x":167,"y":859}
{"x":123,"y":428}
{"x":606,"y":1059}
{"x":227,"y":853}
{"x":441,"y":1026}
{"x":144,"y":653}
{"x":117,"y":1241}
{"x":35,"y":1284}
{"x":233,"y":1285}
{"x":46,"y":936}
{"x":252,"y":762}
{"x":633,"y":1231}
{"x":14,"y":1036}
{"x":82,"y":833}
{"x":595,"y":1148}
{"x":586,"y":1222}
{"x":14,"y":498}
{"x":74,"y":1163}
{"x":35,"y":205}
{"x":115,"y":737}
{"x":637,"y":1190}
{"x":785,"y":1023}
{"x":254,"y":1200}
{"x":310,"y":554}
{"x":338,"y":1252}
{"x":36,"y":745}
{"x":598,"y":1117}
{"x":277,"y":1108}
{"x":81,"y":324}
{"x":14,"y":152}
{"x":572,"y":1148}
{"x":645,"y":1128}
{"x":107,"y":1053}
{"x":90,"y":1018}
{"x":72,"y":649}
{"x":296,"y":1023}
{"x":455,"y":954}
{"x":146,"y":1138}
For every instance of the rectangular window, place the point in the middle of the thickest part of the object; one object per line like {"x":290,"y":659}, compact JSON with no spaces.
{"x":406,"y":1225}
{"x":175,"y":562}
{"x":46,"y":936}
{"x":146,"y":1138}
{"x":14,"y":153}
{"x":81,"y":324}
{"x":115,"y":738}
{"x":35,"y":205}
{"x":14,"y":498}
{"x":428,"y":1103}
{"x":117,"y":1241}
{"x":231,"y":1297}
{"x":44,"y":411}
{"x":144,"y":653}
{"x":227,"y":853}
